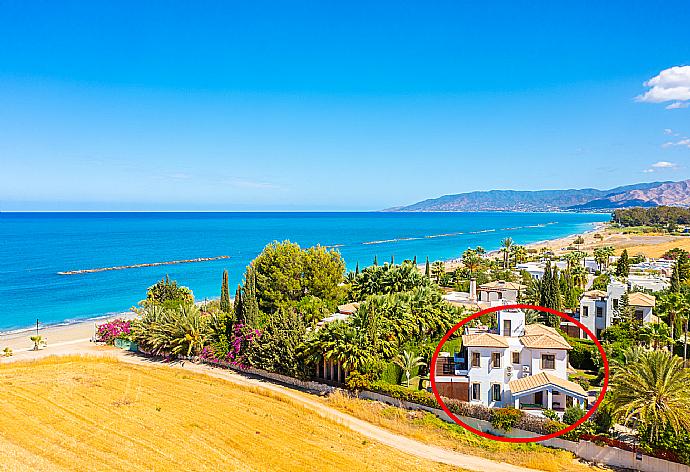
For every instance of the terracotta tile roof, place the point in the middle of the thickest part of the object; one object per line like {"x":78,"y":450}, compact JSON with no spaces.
{"x":502,"y":284}
{"x":543,"y":379}
{"x":595,"y":294}
{"x":483,"y":340}
{"x":538,"y":328}
{"x":538,"y":336}
{"x":641,"y":299}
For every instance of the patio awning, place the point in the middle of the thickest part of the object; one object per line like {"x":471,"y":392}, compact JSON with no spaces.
{"x":542,"y":381}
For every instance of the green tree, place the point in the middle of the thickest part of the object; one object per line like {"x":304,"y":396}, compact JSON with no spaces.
{"x":655,"y":335}
{"x":427,"y":269}
{"x":278,"y":347}
{"x":438,"y":268}
{"x":653,"y":391}
{"x":671,"y":305}
{"x":506,"y":246}
{"x":167,"y":293}
{"x":550,"y":295}
{"x":184,"y":330}
{"x":237,"y":304}
{"x":225,"y":294}
{"x":623,"y":264}
{"x":407,"y":361}
{"x":284,"y":273}
{"x":602,"y":255}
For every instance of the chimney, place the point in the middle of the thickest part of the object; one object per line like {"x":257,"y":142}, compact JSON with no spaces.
{"x":473,"y":289}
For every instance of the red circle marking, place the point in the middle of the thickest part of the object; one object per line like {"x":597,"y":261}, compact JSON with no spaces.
{"x":519,"y":440}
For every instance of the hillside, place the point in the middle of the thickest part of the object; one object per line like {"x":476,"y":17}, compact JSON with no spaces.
{"x":643,"y":194}
{"x":73,"y":413}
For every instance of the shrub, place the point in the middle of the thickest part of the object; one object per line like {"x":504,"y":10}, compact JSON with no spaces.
{"x":581,"y":355}
{"x":399,"y":392}
{"x":357,"y":381}
{"x":7,"y":352}
{"x":505,"y":418}
{"x":110,"y":331}
{"x":552,"y":415}
{"x":573,"y":414}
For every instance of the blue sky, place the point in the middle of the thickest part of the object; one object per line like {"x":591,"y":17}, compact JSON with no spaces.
{"x":334,"y":105}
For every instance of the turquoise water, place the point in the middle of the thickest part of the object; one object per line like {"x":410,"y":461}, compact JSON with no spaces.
{"x":36,"y":246}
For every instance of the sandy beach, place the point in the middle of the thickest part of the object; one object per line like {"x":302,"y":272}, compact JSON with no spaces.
{"x":64,"y":339}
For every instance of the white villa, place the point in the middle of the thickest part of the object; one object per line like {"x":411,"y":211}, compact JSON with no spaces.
{"x":500,"y":290}
{"x":598,"y":309}
{"x":519,"y":365}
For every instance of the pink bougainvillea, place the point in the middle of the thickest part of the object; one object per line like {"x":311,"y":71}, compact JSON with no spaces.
{"x":110,"y":331}
{"x":242,"y":337}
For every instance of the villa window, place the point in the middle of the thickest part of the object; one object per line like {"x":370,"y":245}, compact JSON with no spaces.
{"x":476,"y":358}
{"x":476,"y":391}
{"x":507,"y":328}
{"x":600,"y":312}
{"x":496,"y":392}
{"x":585,"y":311}
{"x":496,"y":360}
{"x":516,"y":357}
{"x":615,"y":303}
{"x":639,"y":314}
{"x":548,"y":361}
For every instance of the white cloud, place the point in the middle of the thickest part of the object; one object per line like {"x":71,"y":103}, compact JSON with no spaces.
{"x":664,"y":165}
{"x":647,"y":171}
{"x":677,"y":105}
{"x":671,"y":85}
{"x":668,"y":131}
{"x":683,"y":142}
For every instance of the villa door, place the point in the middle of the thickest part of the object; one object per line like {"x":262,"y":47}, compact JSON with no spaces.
{"x":539,"y":398}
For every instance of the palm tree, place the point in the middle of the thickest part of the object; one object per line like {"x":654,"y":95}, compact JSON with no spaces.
{"x":579,"y":274}
{"x":579,"y":241}
{"x":602,"y":255}
{"x":438,"y":268}
{"x":408,"y":361}
{"x":655,"y":335}
{"x":506,"y":244}
{"x":37,"y":340}
{"x":672,"y":304}
{"x":653,"y":391}
{"x":519,"y":254}
{"x":472,"y":260}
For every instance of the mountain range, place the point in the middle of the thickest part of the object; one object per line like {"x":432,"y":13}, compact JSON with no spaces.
{"x":587,"y":199}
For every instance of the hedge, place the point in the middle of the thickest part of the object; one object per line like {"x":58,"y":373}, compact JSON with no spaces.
{"x":466,"y":409}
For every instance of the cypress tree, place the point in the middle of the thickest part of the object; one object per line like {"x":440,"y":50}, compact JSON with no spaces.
{"x":225,"y":294}
{"x":250,"y":303}
{"x":392,"y":259}
{"x":623,"y":264}
{"x":414,"y":260}
{"x":427,"y":269}
{"x":549,"y":296}
{"x":675,"y":279}
{"x":376,"y":260}
{"x":239,"y":313}
{"x":357,"y":268}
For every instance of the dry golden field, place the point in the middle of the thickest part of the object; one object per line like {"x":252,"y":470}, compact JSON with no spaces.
{"x":427,"y":428}
{"x":76,"y":413}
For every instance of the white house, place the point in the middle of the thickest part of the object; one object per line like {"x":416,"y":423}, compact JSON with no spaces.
{"x":518,"y":365}
{"x":500,"y":290}
{"x":598,"y":309}
{"x":648,"y":282}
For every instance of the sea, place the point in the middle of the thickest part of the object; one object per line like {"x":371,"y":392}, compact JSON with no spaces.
{"x":37,"y":248}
